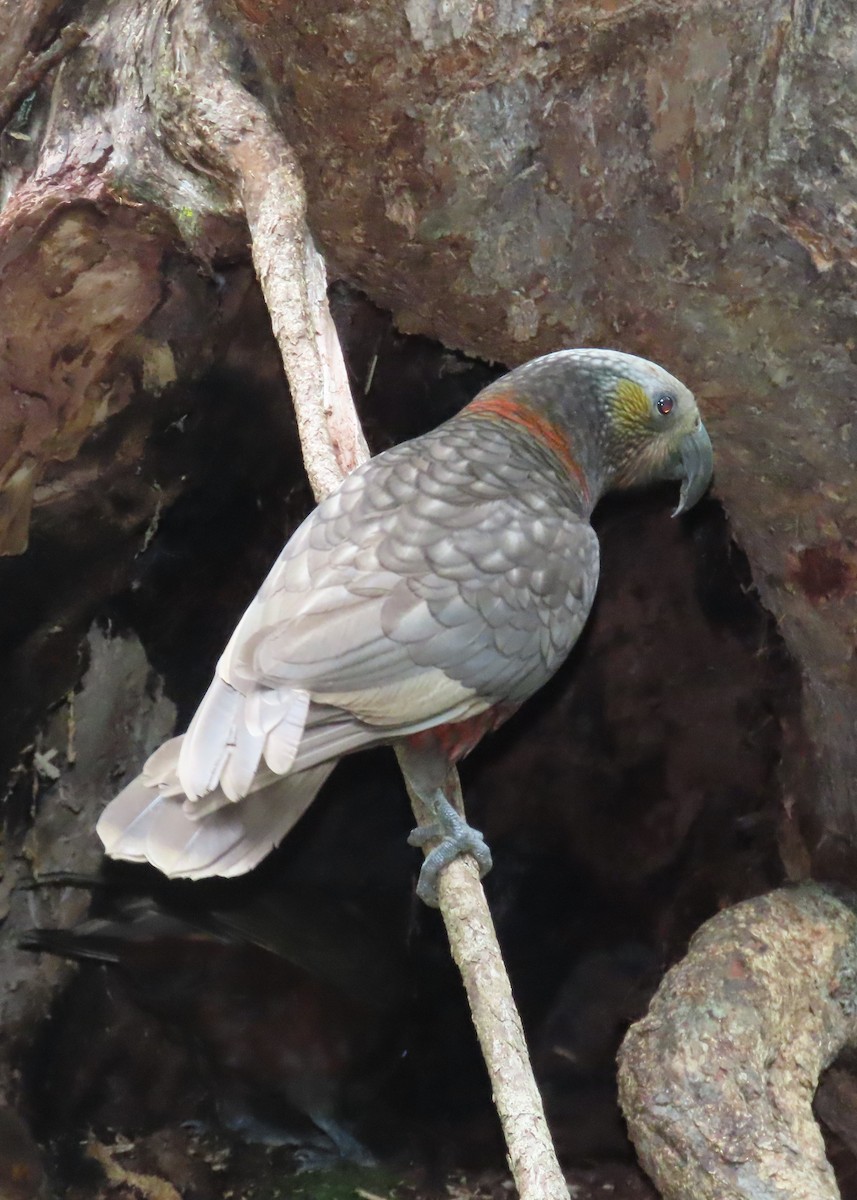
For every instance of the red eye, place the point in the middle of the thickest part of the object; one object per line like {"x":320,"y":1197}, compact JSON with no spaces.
{"x":665,"y":404}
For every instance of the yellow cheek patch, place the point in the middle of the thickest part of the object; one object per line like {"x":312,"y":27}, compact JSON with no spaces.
{"x":631,"y":407}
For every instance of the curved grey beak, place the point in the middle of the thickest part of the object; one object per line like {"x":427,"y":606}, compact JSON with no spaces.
{"x":697,"y":466}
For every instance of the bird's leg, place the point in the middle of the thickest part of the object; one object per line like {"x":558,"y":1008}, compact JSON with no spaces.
{"x":347,"y":1146}
{"x":457,"y":837}
{"x":432,"y":778}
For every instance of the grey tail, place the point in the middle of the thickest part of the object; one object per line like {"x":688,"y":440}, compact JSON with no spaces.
{"x":152,"y":821}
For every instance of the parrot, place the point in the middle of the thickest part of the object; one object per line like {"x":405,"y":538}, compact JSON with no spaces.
{"x":422,"y":602}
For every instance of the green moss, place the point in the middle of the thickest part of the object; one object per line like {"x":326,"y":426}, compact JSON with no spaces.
{"x":343,"y":1183}
{"x":188,"y":221}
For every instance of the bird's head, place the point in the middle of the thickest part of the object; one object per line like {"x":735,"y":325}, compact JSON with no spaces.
{"x":628,"y":420}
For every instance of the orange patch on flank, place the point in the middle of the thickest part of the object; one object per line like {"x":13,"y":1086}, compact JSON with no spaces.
{"x":458,"y":738}
{"x":500,"y":402}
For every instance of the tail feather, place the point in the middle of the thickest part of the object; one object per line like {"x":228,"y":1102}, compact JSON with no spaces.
{"x":206,"y":745}
{"x":161,"y":765}
{"x":284,"y":740}
{"x":264,"y":708}
{"x":218,"y":799}
{"x":124,"y":824}
{"x":145,"y":825}
{"x":231,"y":731}
{"x":242,"y":762}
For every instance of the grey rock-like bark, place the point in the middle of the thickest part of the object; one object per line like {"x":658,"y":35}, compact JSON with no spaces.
{"x":91,"y":742}
{"x":717,"y":1080}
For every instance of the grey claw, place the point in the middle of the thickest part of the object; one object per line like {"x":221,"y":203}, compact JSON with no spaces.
{"x":457,"y":838}
{"x":425,"y":833}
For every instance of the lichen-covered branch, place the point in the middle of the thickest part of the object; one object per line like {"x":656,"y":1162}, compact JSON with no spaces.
{"x":216,"y":121}
{"x":717,"y":1080}
{"x":220,"y":124}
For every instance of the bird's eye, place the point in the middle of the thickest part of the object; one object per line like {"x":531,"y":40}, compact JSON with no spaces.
{"x":665,"y":403}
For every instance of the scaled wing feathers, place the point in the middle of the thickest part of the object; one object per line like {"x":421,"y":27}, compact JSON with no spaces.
{"x":431,"y":586}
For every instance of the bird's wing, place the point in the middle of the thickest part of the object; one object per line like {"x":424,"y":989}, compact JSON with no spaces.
{"x":443,"y":577}
{"x":440,"y":578}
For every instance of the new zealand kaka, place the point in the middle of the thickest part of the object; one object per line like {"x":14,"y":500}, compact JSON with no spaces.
{"x":441,"y":585}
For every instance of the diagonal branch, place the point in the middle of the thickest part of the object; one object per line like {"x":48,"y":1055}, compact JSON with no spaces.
{"x":233,"y":135}
{"x":34,"y":67}
{"x":474,"y":946}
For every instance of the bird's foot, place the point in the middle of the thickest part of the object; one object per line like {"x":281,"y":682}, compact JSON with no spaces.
{"x":347,"y":1146}
{"x":457,"y":837}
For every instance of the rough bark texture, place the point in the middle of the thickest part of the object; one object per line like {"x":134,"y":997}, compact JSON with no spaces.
{"x":117,"y":715}
{"x":22,"y":27}
{"x":717,"y":1080}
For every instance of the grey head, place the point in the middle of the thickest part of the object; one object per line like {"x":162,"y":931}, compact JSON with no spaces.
{"x":626,"y":420}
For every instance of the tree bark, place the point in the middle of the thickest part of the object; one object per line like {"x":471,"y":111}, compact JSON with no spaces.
{"x":717,"y":1080}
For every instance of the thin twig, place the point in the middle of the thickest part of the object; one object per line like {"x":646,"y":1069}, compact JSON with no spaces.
{"x":233,"y":132}
{"x":34,"y":67}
